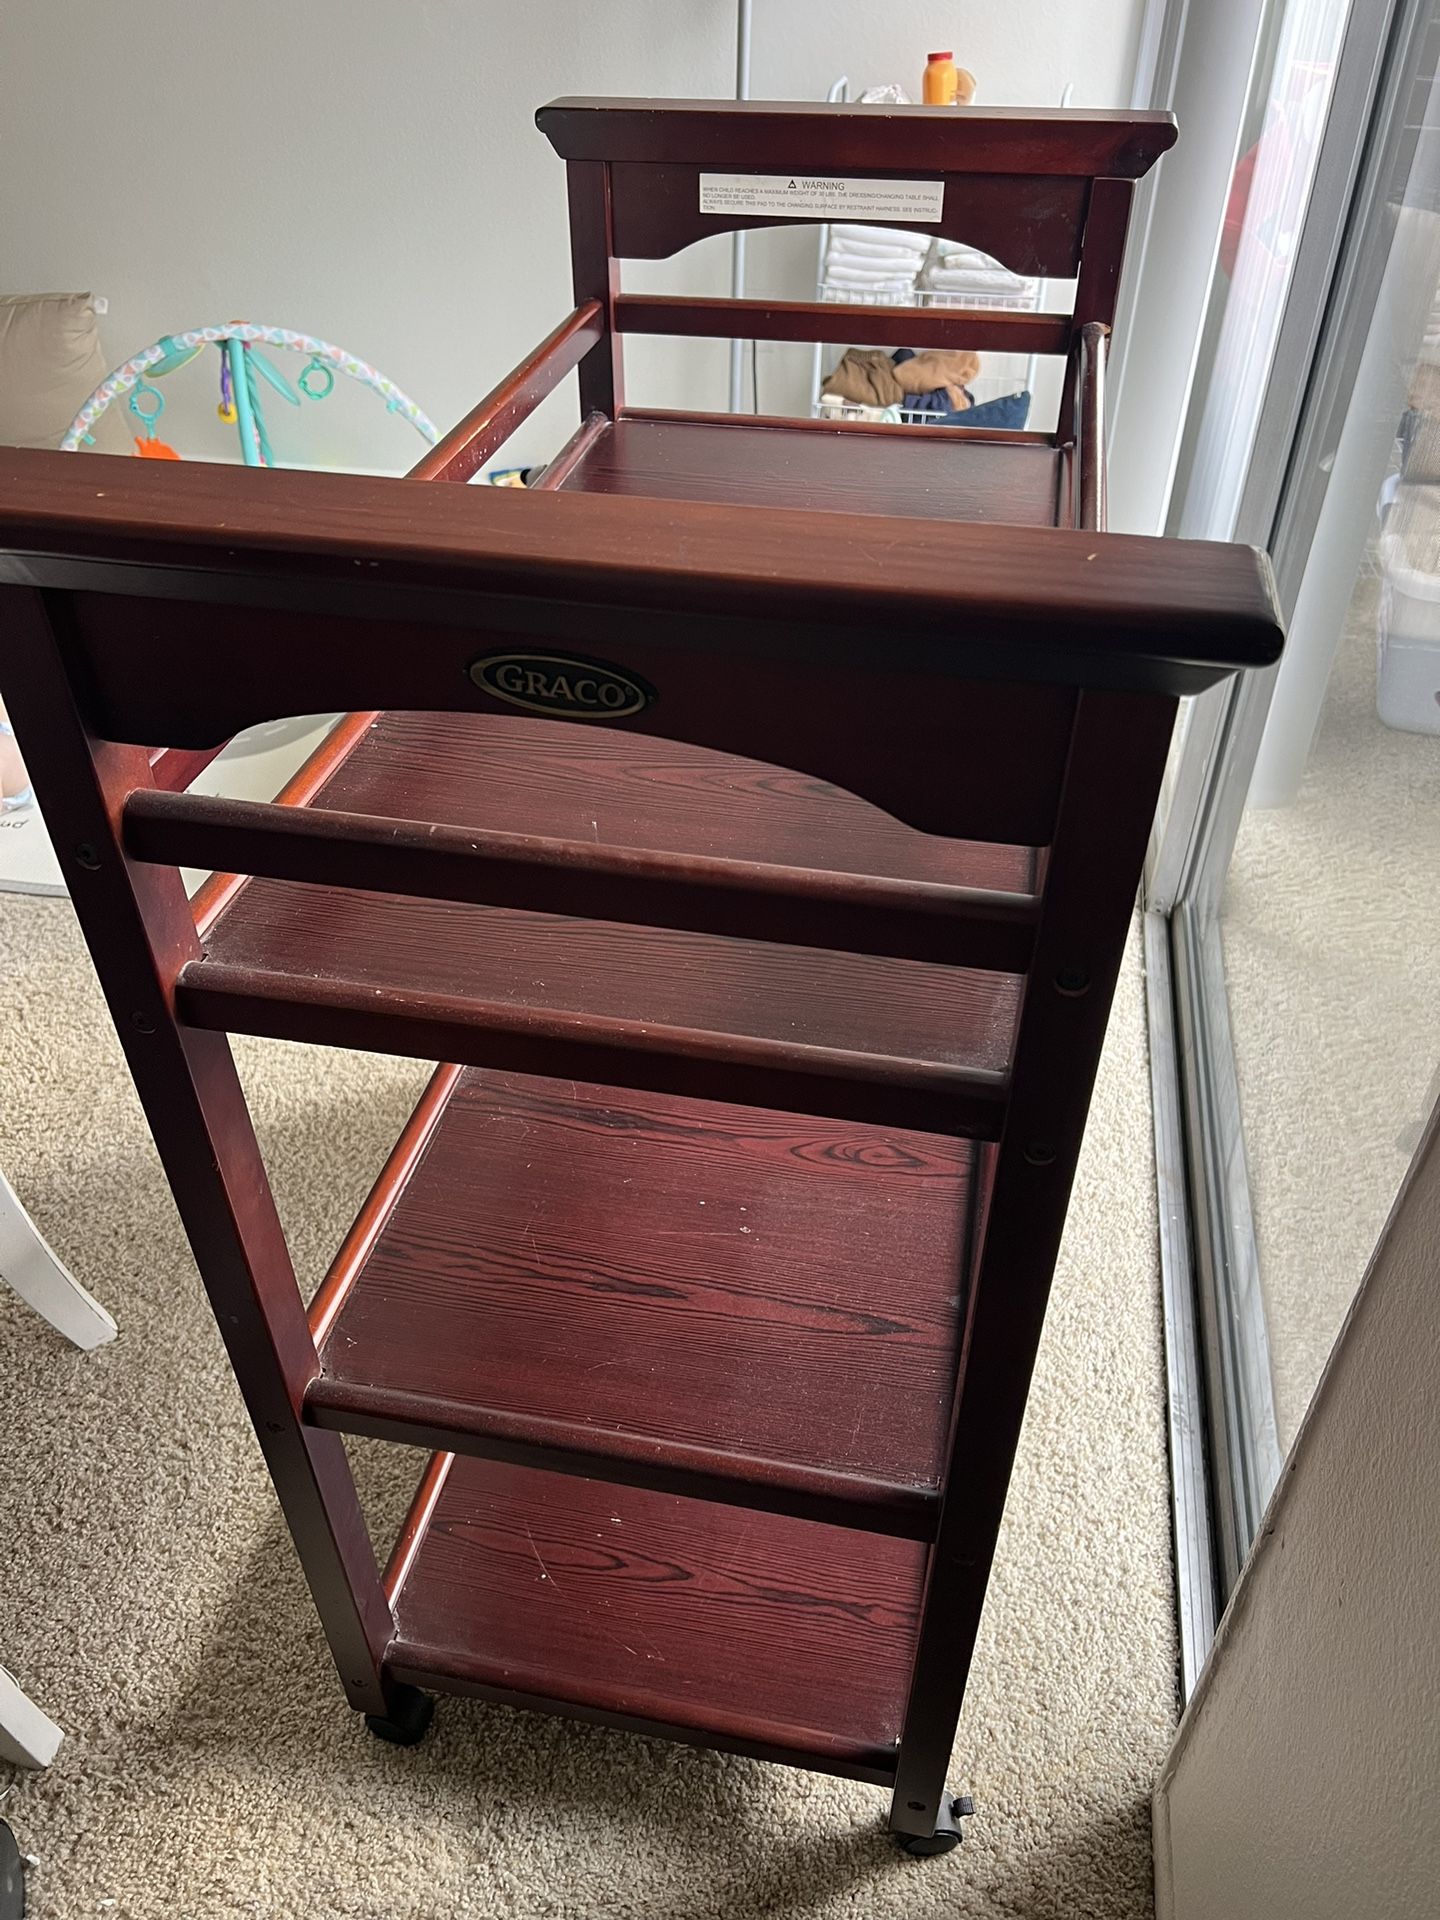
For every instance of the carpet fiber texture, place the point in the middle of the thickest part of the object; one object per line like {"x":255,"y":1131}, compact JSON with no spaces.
{"x":150,"y":1600}
{"x":1332,"y":912}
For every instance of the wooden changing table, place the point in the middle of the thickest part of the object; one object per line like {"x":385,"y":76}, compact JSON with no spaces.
{"x":751,"y":815}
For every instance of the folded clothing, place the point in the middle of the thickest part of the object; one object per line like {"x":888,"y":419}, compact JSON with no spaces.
{"x":957,"y":268}
{"x":856,"y":251}
{"x":866,"y":376}
{"x":974,"y":280}
{"x":936,"y":380}
{"x":879,"y":279}
{"x":916,"y":243}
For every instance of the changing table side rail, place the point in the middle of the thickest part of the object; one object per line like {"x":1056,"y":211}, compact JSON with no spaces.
{"x":477,"y":438}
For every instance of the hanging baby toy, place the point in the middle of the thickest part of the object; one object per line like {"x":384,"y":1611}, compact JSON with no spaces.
{"x":244,"y":371}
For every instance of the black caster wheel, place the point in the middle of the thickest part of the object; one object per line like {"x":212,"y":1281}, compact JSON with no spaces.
{"x":405,"y":1724}
{"x":948,"y":1832}
{"x":12,"y":1877}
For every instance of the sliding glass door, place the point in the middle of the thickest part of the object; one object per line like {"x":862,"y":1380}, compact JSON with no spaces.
{"x":1295,"y":887}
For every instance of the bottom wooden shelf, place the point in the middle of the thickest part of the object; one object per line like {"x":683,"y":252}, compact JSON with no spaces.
{"x":753,"y":1632}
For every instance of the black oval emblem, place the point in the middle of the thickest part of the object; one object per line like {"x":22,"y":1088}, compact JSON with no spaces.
{"x":561,"y":683}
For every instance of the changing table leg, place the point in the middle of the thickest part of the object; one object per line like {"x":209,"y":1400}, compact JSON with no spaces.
{"x":141,"y":933}
{"x":1117,"y":757}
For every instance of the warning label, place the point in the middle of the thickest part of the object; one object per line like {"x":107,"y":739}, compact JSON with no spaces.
{"x":803,"y":197}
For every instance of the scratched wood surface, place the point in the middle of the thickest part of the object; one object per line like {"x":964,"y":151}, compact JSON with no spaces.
{"x":516,"y":775}
{"x":637,"y":1604}
{"x":930,"y":477}
{"x":781,"y":1288}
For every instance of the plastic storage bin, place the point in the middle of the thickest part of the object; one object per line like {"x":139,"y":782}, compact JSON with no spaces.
{"x":1408,"y":681}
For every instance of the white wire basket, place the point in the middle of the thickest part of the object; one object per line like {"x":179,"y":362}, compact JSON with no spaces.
{"x":1001,"y":373}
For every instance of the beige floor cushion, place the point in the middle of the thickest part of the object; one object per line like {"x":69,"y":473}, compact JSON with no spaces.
{"x":50,"y":364}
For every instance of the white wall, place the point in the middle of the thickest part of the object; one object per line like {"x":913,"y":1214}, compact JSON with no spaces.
{"x":371,"y":172}
{"x":1305,"y":1780}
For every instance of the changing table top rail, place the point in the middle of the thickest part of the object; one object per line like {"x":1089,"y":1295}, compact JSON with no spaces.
{"x":760,"y":134}
{"x":973,"y":601}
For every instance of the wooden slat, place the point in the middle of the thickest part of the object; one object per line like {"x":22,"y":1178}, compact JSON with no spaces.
{"x":834,"y":1081}
{"x":1090,"y":444}
{"x":486,"y":428}
{"x":851,"y":913}
{"x":979,"y":329}
{"x":173,"y":768}
{"x":1114,"y":609}
{"x":571,"y":454}
{"x":611,"y":789}
{"x":762,"y":135}
{"x":215,"y":894}
{"x":370,"y":1222}
{"x":417,"y":1523}
{"x":753,"y":1633}
{"x":930,"y":473}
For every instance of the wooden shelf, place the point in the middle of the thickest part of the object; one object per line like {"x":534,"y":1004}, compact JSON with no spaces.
{"x":799,"y":1028}
{"x":919,"y":473}
{"x":751,"y":1632}
{"x":742,"y":1305}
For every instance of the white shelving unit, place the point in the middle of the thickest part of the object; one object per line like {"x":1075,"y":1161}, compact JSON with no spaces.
{"x":1002,"y":373}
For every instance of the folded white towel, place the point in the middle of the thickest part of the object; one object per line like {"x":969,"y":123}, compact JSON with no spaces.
{"x":976,"y":280}
{"x":857,"y":250}
{"x":869,"y":282}
{"x":882,"y":236}
{"x":961,"y":249}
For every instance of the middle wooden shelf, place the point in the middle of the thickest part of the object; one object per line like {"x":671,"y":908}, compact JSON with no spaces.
{"x":739,"y":1305}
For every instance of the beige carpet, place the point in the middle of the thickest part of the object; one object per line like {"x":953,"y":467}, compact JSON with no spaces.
{"x":1332,"y":951}
{"x":150,"y":1600}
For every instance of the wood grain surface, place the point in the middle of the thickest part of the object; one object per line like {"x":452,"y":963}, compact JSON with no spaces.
{"x":517,"y":775}
{"x":377,"y":562}
{"x":759,"y":134}
{"x":781,"y":1289}
{"x":730,"y":1628}
{"x":930,"y":477}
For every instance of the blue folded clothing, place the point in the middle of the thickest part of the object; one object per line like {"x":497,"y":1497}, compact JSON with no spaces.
{"x":1011,"y":412}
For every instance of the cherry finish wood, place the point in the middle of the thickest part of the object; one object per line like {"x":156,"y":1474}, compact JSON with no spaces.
{"x":417,"y":1523}
{"x":795,"y":906}
{"x":747,"y":1631}
{"x":1094,"y":345}
{"x":725,"y":1406}
{"x":990,"y":330}
{"x":795,"y":1030}
{"x":557,"y":470}
{"x":722,"y":1321}
{"x":373,"y":1217}
{"x":595,"y":269}
{"x":764,"y":464}
{"x":764,"y":136}
{"x":220,"y":888}
{"x":137,"y":924}
{"x":512,"y":774}
{"x":789,"y":586}
{"x":1117,"y":761}
{"x":173,"y":768}
{"x":463,"y":451}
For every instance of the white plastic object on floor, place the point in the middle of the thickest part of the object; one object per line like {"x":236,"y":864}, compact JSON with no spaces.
{"x":1407,"y":694}
{"x":29,"y":1266}
{"x":28,"y":1737}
